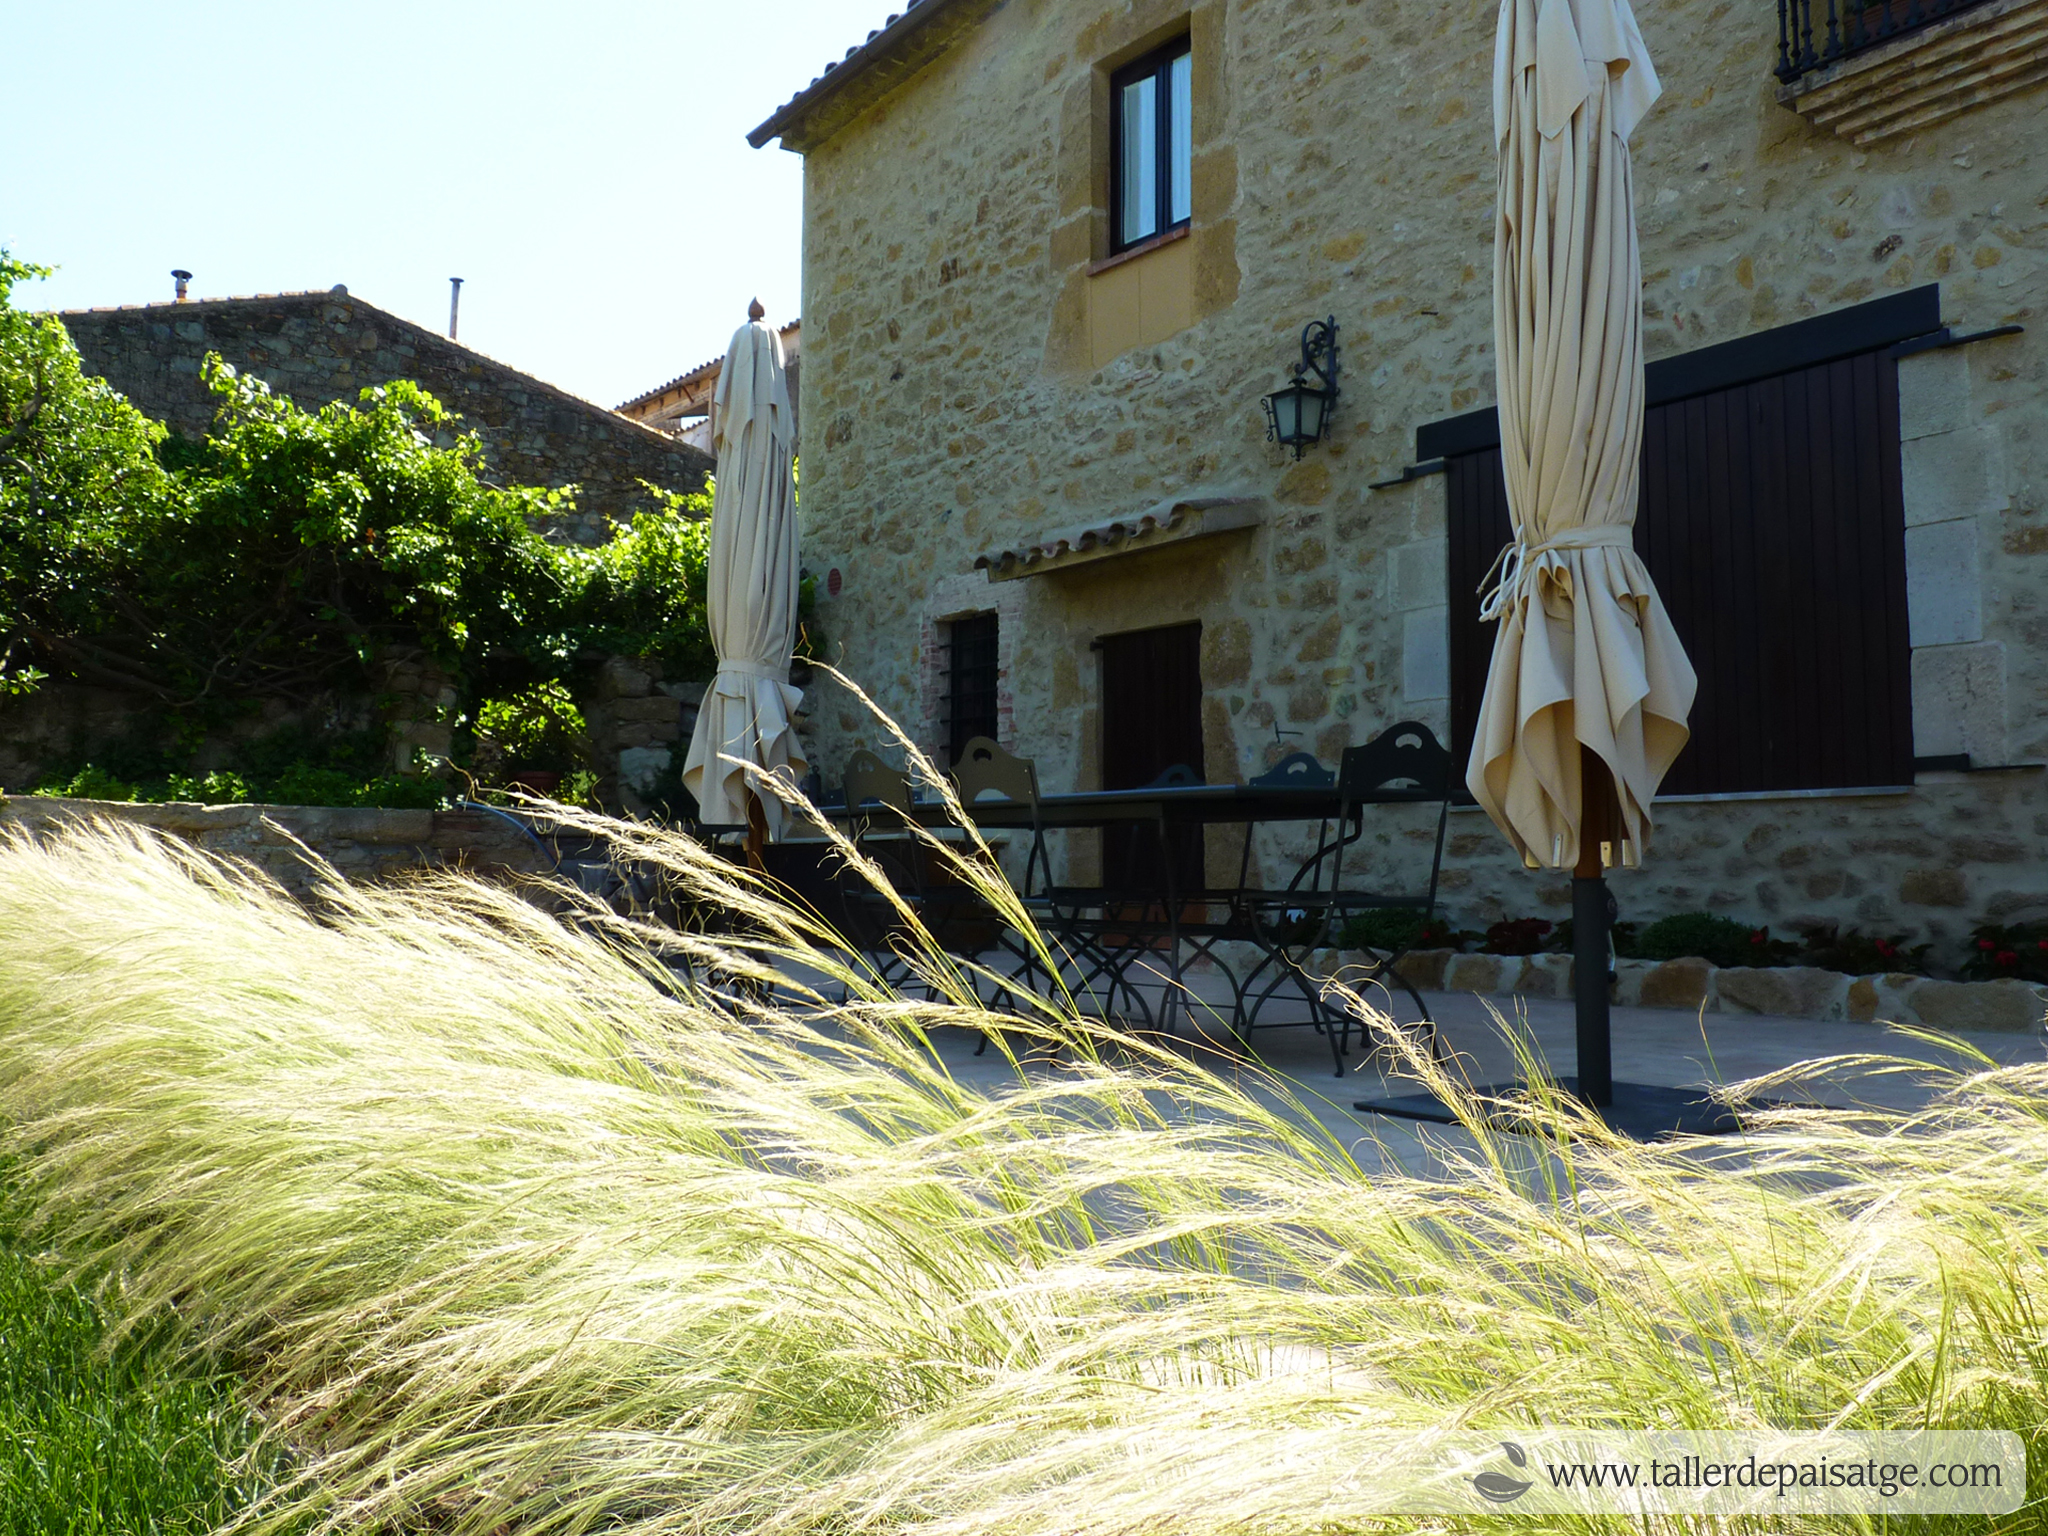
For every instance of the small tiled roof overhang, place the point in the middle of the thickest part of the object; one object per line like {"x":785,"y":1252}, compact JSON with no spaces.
{"x":870,"y":71}
{"x":1174,"y":521}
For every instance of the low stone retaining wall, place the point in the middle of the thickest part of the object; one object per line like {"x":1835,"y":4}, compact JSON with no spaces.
{"x":361,"y":844}
{"x":1796,"y":992}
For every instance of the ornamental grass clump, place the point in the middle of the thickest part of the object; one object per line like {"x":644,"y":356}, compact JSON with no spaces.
{"x":529,"y":1217}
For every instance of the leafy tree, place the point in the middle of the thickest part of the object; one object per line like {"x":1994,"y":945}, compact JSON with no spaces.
{"x":291,"y":551}
{"x":643,"y":592}
{"x":78,"y":474}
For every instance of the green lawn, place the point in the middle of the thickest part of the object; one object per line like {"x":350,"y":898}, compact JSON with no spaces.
{"x":93,"y":1439}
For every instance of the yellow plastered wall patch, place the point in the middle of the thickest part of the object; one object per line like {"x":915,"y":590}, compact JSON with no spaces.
{"x":1141,"y":301}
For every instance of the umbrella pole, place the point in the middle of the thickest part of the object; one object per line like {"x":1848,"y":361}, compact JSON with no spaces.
{"x":1590,"y":916}
{"x":757,"y":833}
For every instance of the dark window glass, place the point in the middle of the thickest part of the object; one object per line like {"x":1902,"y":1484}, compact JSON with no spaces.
{"x":1152,"y":134}
{"x":971,"y":682}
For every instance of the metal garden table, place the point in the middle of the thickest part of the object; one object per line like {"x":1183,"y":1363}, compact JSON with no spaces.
{"x":1164,"y":808}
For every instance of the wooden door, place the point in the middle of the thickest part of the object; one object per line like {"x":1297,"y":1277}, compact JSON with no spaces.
{"x":1151,"y":721}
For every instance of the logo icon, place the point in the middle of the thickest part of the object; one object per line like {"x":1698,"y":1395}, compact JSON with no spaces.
{"x":1499,"y":1487}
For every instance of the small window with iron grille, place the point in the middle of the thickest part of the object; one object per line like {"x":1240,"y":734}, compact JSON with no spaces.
{"x":970,"y":682}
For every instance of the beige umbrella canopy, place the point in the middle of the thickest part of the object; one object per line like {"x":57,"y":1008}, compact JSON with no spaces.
{"x":747,"y":714}
{"x":1585,"y":655}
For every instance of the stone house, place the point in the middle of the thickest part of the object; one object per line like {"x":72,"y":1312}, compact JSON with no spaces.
{"x":682,"y":406}
{"x":327,"y":345}
{"x":1056,"y":254}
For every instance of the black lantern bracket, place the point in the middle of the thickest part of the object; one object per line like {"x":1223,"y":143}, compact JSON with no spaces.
{"x":1299,"y":413}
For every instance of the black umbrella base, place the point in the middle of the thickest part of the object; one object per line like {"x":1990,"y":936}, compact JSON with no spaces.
{"x":1640,"y":1111}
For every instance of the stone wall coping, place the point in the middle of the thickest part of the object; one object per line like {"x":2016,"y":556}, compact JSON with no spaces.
{"x":352,"y":823}
{"x":2007,"y":1005}
{"x":304,"y":846}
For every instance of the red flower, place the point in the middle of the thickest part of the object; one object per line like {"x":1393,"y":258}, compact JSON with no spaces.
{"x":1885,"y":949}
{"x":1986,"y":944}
{"x":1758,"y":936}
{"x":2007,"y":957}
{"x":2041,"y":944}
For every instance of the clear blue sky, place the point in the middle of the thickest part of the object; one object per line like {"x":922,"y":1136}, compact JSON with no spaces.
{"x":583,"y":165}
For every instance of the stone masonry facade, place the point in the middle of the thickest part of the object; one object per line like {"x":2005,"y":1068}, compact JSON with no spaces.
{"x":959,"y":291}
{"x":321,"y":347}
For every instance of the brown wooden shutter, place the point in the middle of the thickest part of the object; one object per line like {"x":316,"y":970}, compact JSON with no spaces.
{"x":1773,"y":523}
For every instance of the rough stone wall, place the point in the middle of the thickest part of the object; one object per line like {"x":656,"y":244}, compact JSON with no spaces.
{"x":638,"y":725}
{"x":64,"y":723}
{"x":638,"y":729}
{"x":358,"y":844}
{"x":318,"y":347}
{"x":2007,"y":1006}
{"x":1343,"y":165}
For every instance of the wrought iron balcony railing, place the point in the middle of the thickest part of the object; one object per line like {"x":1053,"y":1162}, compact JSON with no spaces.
{"x":1812,"y":34}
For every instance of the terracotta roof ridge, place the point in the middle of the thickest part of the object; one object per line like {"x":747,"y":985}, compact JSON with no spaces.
{"x":835,"y":76}
{"x":697,"y":372}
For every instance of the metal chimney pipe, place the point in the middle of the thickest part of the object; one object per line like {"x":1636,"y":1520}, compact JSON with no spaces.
{"x":183,"y":277}
{"x":454,"y":304}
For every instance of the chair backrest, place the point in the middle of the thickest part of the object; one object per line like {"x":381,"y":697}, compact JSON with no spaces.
{"x":869,"y":779}
{"x":1403,"y":762}
{"x":1296,"y":771}
{"x":985,"y":768}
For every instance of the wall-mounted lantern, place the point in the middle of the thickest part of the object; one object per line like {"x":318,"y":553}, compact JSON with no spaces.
{"x":1297,"y":414}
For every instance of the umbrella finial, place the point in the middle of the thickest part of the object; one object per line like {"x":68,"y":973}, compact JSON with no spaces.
{"x":756,"y":312}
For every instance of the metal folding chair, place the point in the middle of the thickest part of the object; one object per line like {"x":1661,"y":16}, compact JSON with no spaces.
{"x":986,"y":768}
{"x":1404,"y":764}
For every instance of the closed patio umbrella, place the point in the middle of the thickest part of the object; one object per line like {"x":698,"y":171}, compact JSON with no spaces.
{"x":1587,"y":696}
{"x":747,"y":713}
{"x":1585,"y":655}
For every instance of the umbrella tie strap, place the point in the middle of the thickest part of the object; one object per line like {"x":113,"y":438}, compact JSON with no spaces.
{"x":774,"y":672}
{"x":1518,"y":563}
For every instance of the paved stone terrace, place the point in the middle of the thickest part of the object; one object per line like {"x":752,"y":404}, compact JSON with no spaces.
{"x":1651,"y":1045}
